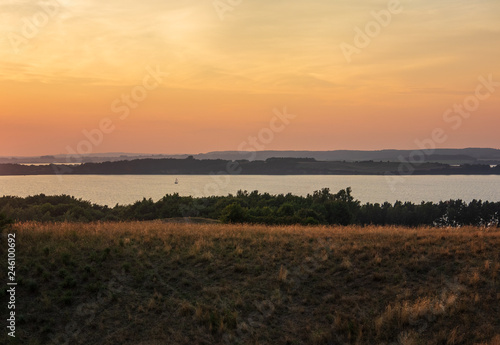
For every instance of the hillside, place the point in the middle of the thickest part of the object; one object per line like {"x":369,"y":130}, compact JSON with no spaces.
{"x":446,"y":156}
{"x":155,"y":283}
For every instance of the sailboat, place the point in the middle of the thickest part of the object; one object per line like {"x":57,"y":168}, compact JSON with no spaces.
{"x":176,"y":181}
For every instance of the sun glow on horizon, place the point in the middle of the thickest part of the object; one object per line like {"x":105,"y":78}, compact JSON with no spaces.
{"x":63,"y":64}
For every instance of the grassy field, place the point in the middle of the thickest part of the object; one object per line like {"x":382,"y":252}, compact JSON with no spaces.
{"x":152,"y":283}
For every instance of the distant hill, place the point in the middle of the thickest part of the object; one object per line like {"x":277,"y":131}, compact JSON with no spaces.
{"x":271,"y":166}
{"x":446,"y":156}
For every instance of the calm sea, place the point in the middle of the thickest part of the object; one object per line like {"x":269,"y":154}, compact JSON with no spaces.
{"x":125,"y":189}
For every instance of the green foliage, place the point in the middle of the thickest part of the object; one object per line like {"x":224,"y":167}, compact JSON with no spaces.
{"x":286,"y":210}
{"x":321,"y":207}
{"x":4,"y":221}
{"x":234,"y":213}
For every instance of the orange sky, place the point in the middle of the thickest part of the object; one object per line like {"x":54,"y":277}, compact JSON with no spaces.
{"x":66,"y":66}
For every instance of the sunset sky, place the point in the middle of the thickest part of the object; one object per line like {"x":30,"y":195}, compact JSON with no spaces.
{"x":65,"y":66}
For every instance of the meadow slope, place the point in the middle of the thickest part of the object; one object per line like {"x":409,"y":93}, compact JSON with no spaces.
{"x":164,"y":283}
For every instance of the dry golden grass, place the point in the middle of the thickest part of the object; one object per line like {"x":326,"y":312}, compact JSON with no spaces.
{"x":167,"y":283}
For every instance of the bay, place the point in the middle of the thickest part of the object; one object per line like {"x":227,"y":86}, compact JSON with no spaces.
{"x":125,"y":189}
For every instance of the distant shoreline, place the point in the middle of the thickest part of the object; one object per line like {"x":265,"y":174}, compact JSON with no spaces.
{"x":331,"y":174}
{"x":446,"y":156}
{"x":269,"y":167}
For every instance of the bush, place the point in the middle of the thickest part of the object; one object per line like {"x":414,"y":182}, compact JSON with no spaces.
{"x":234,"y":213}
{"x":4,"y":221}
{"x":322,"y":207}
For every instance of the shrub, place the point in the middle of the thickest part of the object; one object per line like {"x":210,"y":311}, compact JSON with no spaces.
{"x":234,"y":213}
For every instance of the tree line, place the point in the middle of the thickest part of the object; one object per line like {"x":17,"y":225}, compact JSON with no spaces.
{"x":271,"y":166}
{"x":321,"y":207}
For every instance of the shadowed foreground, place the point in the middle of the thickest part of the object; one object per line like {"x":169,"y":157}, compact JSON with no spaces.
{"x":156,"y":283}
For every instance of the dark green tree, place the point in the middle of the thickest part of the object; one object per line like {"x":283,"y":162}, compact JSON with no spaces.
{"x":234,"y":213}
{"x":4,"y":222}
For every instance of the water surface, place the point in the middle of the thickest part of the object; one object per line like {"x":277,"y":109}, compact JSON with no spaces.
{"x":125,"y":189}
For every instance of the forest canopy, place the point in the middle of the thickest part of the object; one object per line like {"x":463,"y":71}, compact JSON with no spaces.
{"x":320,"y":207}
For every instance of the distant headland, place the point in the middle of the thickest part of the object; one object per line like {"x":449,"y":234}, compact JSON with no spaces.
{"x":270,"y":166}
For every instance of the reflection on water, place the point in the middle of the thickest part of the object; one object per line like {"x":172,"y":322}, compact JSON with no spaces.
{"x":125,"y":189}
